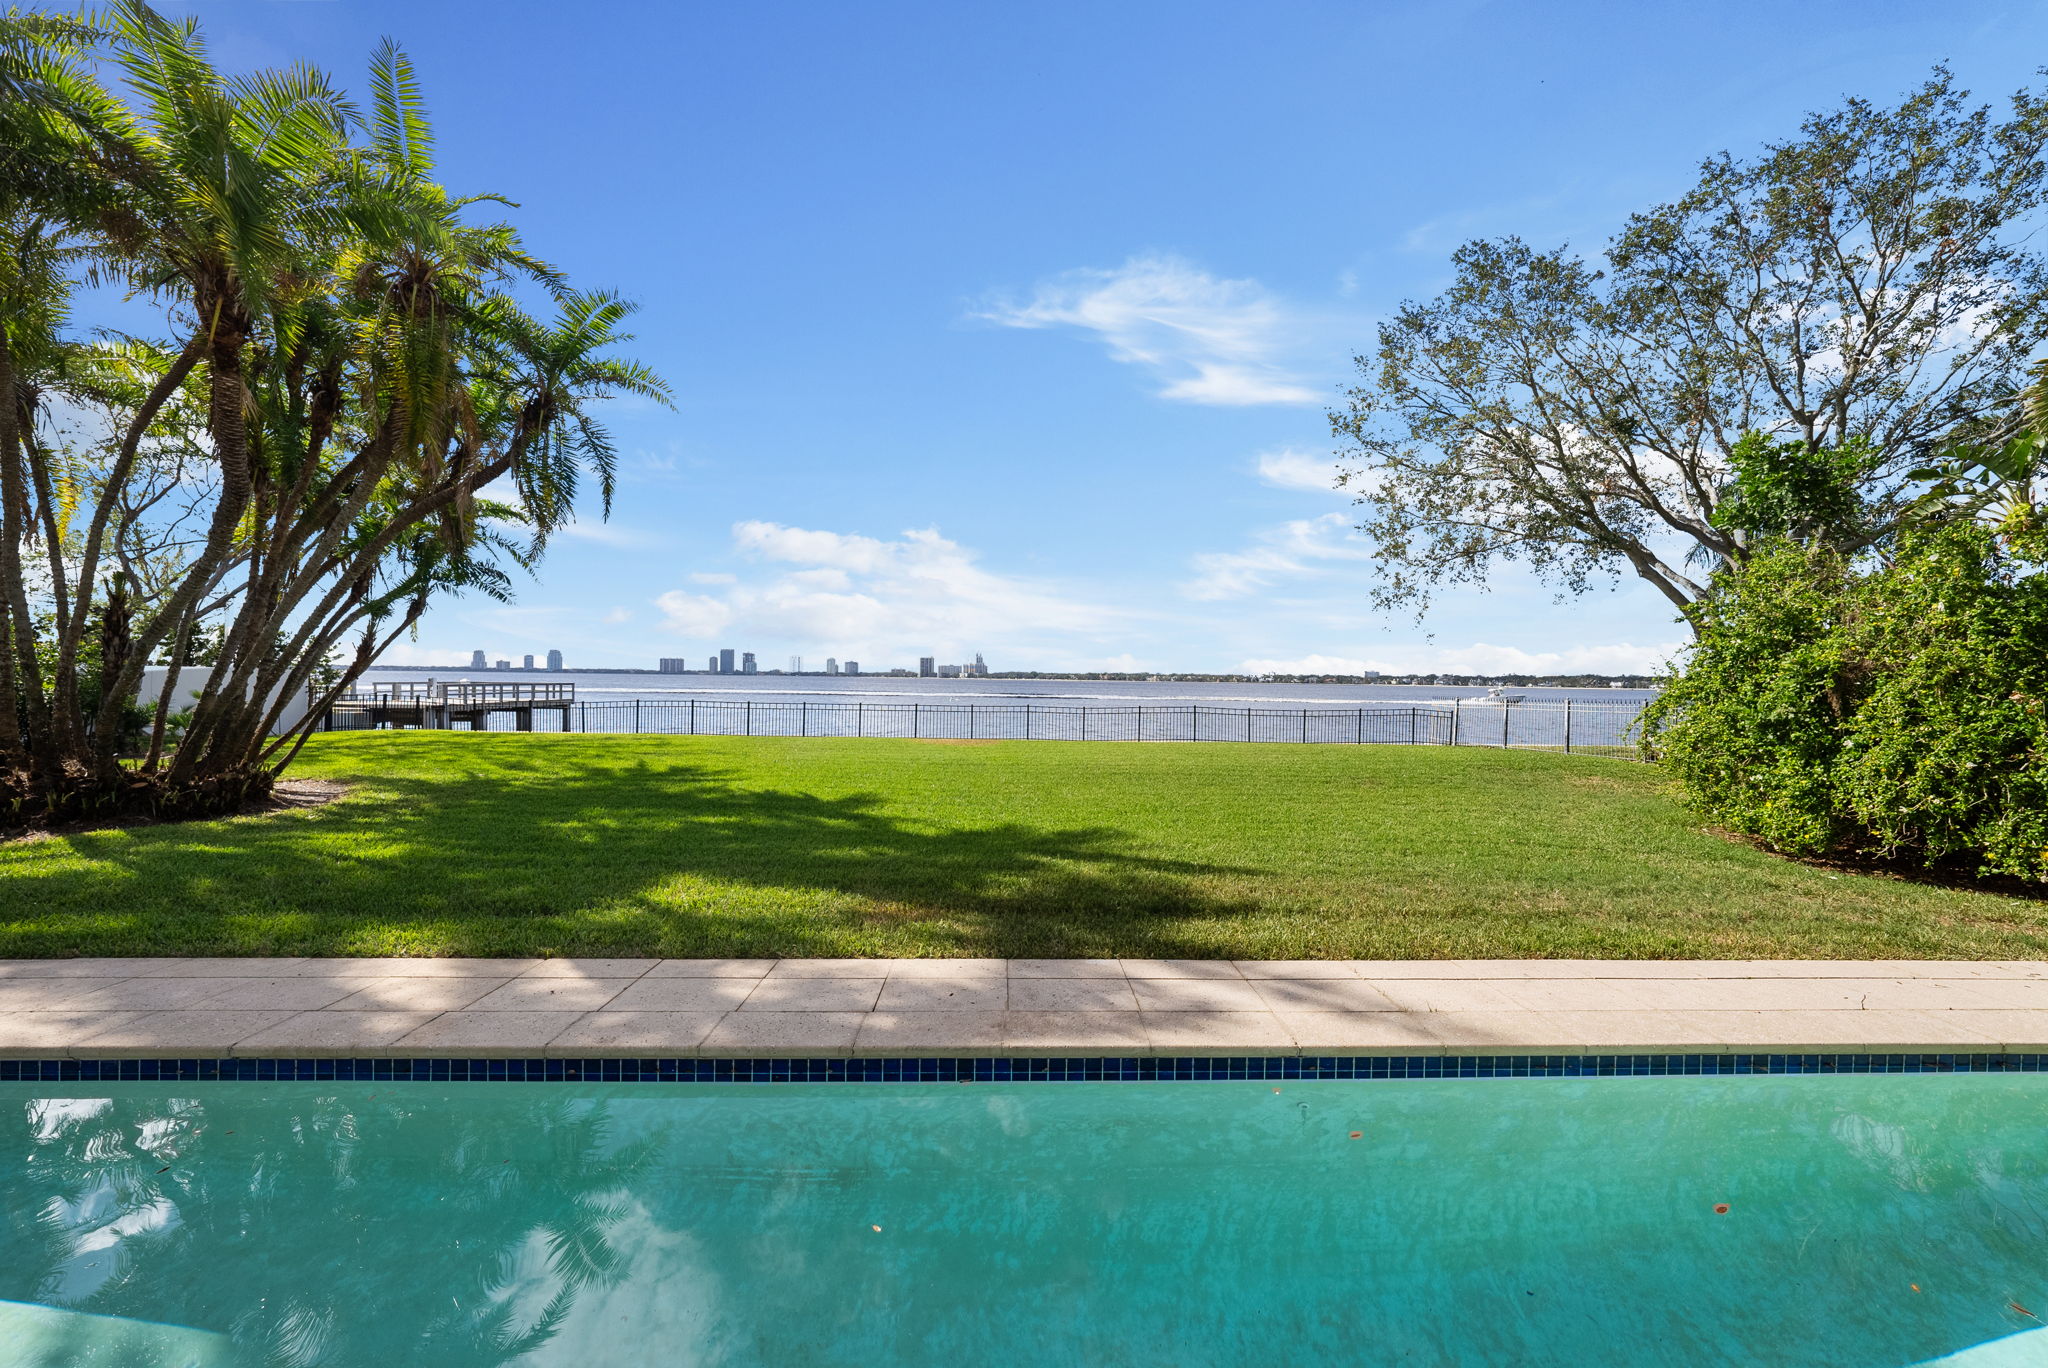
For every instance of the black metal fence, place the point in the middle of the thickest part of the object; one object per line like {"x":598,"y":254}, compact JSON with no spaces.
{"x":1593,"y":727}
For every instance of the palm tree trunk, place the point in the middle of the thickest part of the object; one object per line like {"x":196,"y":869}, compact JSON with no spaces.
{"x":27,"y":685}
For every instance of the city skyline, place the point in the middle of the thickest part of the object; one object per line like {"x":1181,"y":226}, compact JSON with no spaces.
{"x":730,"y":660}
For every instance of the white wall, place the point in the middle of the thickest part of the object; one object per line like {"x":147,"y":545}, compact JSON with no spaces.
{"x":192,"y":681}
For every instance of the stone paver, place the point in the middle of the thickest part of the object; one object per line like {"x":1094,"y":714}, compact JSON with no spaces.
{"x":656,"y":1033}
{"x":1180,"y":969}
{"x":737,"y":1007}
{"x":1321,"y":995}
{"x":1071,"y":995}
{"x":1217,"y":1033}
{"x":801,"y":993}
{"x":503,"y":1034}
{"x":177,"y":1032}
{"x":1075,"y":1033}
{"x":682,"y":995}
{"x":302,"y":993}
{"x":1359,"y":1032}
{"x":933,"y":993}
{"x":152,"y":993}
{"x":800,"y":1033}
{"x":437,"y":994}
{"x":550,"y":995}
{"x":930,"y":1033}
{"x":711,"y":968}
{"x":315,"y":1034}
{"x":591,"y":968}
{"x":1198,"y":995}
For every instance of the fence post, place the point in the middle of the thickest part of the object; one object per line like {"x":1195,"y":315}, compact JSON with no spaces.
{"x":636,"y":717}
{"x":1411,"y":724}
{"x":1247,"y":724}
{"x":693,"y":717}
{"x":972,"y":731}
{"x":750,"y":717}
{"x":1027,"y":721}
{"x":916,"y":718}
{"x":1567,"y":726}
{"x":803,"y":720}
{"x":860,"y":719}
{"x":1084,"y":721}
{"x":1304,"y":726}
{"x":1503,"y":724}
{"x":1457,"y":711}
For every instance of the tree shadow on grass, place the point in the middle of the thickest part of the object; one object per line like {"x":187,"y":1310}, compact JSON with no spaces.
{"x":674,"y":859}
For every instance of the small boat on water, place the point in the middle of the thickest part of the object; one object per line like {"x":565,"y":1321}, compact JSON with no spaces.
{"x":1496,"y":694}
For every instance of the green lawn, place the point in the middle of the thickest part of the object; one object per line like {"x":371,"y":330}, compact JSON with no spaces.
{"x":576,"y":845}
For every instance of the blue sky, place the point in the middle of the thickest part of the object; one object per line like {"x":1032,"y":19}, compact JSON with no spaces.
{"x":1011,"y":328}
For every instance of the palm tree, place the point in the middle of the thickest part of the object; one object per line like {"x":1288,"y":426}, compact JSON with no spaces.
{"x":347,"y":356}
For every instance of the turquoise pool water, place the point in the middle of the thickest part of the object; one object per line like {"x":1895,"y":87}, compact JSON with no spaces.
{"x":1871,"y":1220}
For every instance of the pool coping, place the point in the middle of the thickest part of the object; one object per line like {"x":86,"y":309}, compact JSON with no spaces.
{"x":301,"y":1009}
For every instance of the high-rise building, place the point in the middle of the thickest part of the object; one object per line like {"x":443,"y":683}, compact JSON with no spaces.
{"x":674,"y":665}
{"x":796,"y":664}
{"x":925,"y":667}
{"x":853,"y":667}
{"x":504,"y":664}
{"x":980,"y":666}
{"x":478,"y":661}
{"x":555,"y":660}
{"x":711,"y":664}
{"x":831,"y":665}
{"x":950,"y":671}
{"x":529,"y":663}
{"x":725,"y":661}
{"x":746,"y":662}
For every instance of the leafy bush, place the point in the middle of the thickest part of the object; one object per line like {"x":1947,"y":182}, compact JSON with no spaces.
{"x":1894,"y":713}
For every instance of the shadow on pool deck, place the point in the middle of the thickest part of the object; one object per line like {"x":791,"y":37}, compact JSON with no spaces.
{"x":613,"y":863}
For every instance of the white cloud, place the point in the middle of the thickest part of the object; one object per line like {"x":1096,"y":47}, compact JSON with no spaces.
{"x":611,"y":534}
{"x":709,"y":577}
{"x":1480,"y":658}
{"x":1305,"y":546}
{"x":1212,"y":341}
{"x":618,"y":615}
{"x":1288,"y":468}
{"x":875,"y":599}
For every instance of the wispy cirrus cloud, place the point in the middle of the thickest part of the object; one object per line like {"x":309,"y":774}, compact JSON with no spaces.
{"x":1292,"y":468}
{"x":1211,"y":340}
{"x":611,"y":534}
{"x":1296,"y":549}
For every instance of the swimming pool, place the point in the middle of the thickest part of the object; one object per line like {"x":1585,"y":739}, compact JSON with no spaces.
{"x":1878,"y":1219}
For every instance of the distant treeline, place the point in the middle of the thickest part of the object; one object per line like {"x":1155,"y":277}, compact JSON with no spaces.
{"x":1525,"y":681}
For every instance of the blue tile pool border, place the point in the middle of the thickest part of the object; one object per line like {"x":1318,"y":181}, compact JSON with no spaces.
{"x":1189,"y":1069}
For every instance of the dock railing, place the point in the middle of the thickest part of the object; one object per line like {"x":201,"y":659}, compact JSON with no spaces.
{"x":456,"y":691}
{"x":1597,"y":727}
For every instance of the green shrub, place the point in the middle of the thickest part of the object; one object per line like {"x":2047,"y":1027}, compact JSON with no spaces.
{"x":1894,"y":712}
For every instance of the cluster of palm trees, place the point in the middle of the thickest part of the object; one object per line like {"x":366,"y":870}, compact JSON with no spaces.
{"x":338,"y":404}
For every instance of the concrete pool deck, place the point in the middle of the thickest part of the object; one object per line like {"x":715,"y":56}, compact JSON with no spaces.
{"x":639,"y":1008}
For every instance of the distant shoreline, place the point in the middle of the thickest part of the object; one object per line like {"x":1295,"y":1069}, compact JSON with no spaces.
{"x":1524,"y":681}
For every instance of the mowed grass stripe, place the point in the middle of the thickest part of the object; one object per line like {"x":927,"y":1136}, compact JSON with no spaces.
{"x":454,"y":844}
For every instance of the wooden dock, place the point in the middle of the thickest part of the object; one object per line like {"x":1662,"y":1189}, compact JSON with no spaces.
{"x":439,"y":706}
